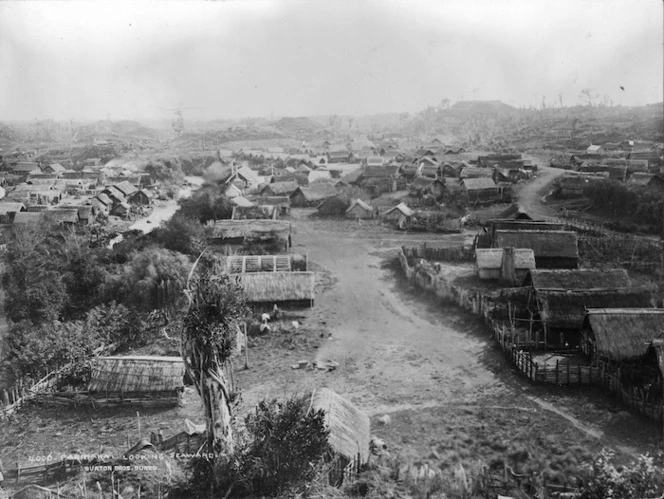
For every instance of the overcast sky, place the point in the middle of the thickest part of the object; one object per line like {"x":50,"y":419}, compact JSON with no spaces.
{"x":291,"y":58}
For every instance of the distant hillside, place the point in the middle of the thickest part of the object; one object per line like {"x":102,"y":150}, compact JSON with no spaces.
{"x":482,"y":106}
{"x":299,"y":125}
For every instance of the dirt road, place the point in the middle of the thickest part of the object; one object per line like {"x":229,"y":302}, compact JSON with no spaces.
{"x":531,"y":193}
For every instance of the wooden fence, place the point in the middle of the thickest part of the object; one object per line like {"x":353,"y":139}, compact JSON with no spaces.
{"x":456,"y":254}
{"x":13,"y":398}
{"x":518,"y":352}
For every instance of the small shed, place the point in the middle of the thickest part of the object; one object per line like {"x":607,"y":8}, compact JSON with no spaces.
{"x":563,"y":311}
{"x":121,"y":210}
{"x":350,"y":432}
{"x":397,"y":213}
{"x":481,"y":189}
{"x":295,"y":289}
{"x":359,"y":209}
{"x":594,"y":149}
{"x":509,"y":265}
{"x":553,"y":249}
{"x":137,"y":380}
{"x":620,"y":334}
{"x":644,"y":181}
{"x":313,"y":195}
{"x":140,"y":197}
{"x":333,"y":206}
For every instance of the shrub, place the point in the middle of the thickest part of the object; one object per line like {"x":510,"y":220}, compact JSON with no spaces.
{"x":279,"y":455}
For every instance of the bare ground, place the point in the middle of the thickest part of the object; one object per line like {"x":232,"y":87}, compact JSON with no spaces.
{"x":433,"y":368}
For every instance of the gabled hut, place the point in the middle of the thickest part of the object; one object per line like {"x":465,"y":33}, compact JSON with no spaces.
{"x":350,"y":432}
{"x":333,"y":206}
{"x":313,"y":195}
{"x":397,"y":213}
{"x":620,"y":334}
{"x":481,"y":189}
{"x":562,"y":311}
{"x":233,"y":233}
{"x":286,"y":289}
{"x":553,"y":249}
{"x":280,"y":188}
{"x":359,"y":209}
{"x":508,"y":265}
{"x":137,"y":380}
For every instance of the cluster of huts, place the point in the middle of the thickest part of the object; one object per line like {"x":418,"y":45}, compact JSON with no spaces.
{"x":640,"y":170}
{"x":32,"y":191}
{"x":563,"y":307}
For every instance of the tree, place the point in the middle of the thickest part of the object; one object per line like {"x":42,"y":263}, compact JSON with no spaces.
{"x":587,"y":95}
{"x":37,"y":290}
{"x":216,"y":304}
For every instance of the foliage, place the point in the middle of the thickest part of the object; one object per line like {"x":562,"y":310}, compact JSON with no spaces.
{"x":35,"y":349}
{"x":152,"y":279}
{"x":38,"y":291}
{"x":182,"y":234}
{"x":617,"y":199}
{"x":641,"y":479}
{"x":207,"y":203}
{"x":283,"y":448}
{"x":114,"y":324}
{"x":217,"y":302}
{"x":165,"y":171}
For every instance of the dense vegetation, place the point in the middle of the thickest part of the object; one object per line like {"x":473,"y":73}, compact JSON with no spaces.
{"x":282,"y":449}
{"x":616,"y":199}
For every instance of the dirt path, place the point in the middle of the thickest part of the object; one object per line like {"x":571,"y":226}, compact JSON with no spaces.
{"x":530,"y":194}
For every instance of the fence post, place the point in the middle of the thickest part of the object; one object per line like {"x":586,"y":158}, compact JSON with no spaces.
{"x":557,"y":371}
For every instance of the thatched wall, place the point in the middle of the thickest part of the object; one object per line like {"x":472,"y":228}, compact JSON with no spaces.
{"x":239,"y":264}
{"x":622,"y":333}
{"x":350,"y":428}
{"x":275,"y":287}
{"x":136,"y":374}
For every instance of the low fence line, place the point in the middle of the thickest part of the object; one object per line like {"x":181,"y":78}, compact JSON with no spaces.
{"x":517,"y":352}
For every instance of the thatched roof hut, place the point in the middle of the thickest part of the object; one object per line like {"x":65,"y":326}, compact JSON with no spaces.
{"x":566,"y":279}
{"x":490,"y":263}
{"x":621,"y":334}
{"x":553,"y":249}
{"x":313,"y":195}
{"x":295,"y":288}
{"x":350,"y":428}
{"x":359,"y":209}
{"x":566,"y":309}
{"x":137,"y":379}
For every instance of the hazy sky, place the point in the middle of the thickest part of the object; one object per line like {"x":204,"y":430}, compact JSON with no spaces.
{"x":85,"y":60}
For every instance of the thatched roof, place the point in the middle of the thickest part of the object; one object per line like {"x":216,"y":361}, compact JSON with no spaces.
{"x":493,"y":258}
{"x":517,"y":225}
{"x":350,"y":428}
{"x":28,"y":217}
{"x":136,"y":374}
{"x":478,"y":184}
{"x":317,"y":192}
{"x":578,"y":279}
{"x":269,"y":287}
{"x":361,"y":204}
{"x":63,"y":216}
{"x":640,"y":179}
{"x":515,"y":212}
{"x":11,"y":207}
{"x":548,"y":244}
{"x":281,"y":188}
{"x":126,"y":188}
{"x":567,"y":308}
{"x":624,"y":333}
{"x":230,"y":229}
{"x":475,"y":172}
{"x":402,"y":208}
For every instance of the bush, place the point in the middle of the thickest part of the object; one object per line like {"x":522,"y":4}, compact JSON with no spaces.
{"x":279,"y":455}
{"x":642,"y":478}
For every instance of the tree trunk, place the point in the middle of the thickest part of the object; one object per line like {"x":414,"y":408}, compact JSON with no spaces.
{"x":214,"y":389}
